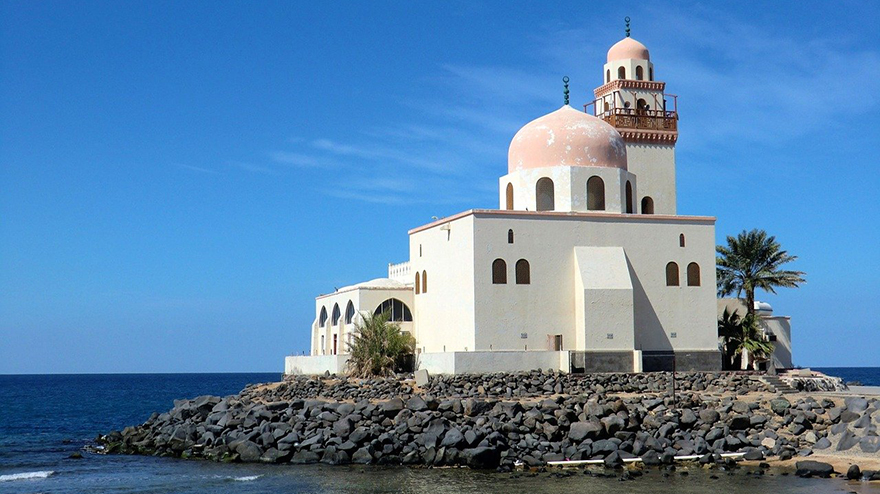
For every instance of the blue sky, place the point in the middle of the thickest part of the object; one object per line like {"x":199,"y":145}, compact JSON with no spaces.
{"x":179,"y":180}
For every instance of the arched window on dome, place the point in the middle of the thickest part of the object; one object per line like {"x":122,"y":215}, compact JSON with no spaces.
{"x":349,"y":312}
{"x":336,"y":315}
{"x":621,"y":73}
{"x":397,"y":310}
{"x":510,"y":236}
{"x":509,"y":195}
{"x":629,"y":197}
{"x":523,"y":274}
{"x":693,"y":273}
{"x":595,"y":194}
{"x":424,"y":282}
{"x":647,"y":205}
{"x":608,"y":75}
{"x":418,"y":283}
{"x":672,"y":274}
{"x":322,"y":319}
{"x":640,"y":73}
{"x":499,"y":272}
{"x":544,"y":196}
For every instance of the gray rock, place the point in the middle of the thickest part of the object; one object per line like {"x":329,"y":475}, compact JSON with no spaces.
{"x":739,"y":422}
{"x":755,"y":454}
{"x":362,"y":456}
{"x":822,"y":443}
{"x":613,"y":460}
{"x":688,"y":418}
{"x":870,"y":444}
{"x":392,"y":407}
{"x":779,"y":405}
{"x":453,"y":438}
{"x":809,"y":468}
{"x":613,"y":424}
{"x":304,"y":457}
{"x":248,"y":451}
{"x":856,"y":405}
{"x":482,"y":458}
{"x":709,"y":416}
{"x":584,"y":430}
{"x":864,"y":421}
{"x":854,"y":473}
{"x":848,"y":416}
{"x":847,"y":441}
{"x":416,"y":404}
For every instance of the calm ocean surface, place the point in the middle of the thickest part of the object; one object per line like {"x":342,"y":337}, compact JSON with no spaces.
{"x":43,"y":419}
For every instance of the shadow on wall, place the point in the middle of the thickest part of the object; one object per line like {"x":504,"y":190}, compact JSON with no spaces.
{"x":648,"y":330}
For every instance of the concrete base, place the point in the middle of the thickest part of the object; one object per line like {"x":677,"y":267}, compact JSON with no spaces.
{"x":610,"y":361}
{"x":315,"y":364}
{"x":483,"y":362}
{"x":682,"y":361}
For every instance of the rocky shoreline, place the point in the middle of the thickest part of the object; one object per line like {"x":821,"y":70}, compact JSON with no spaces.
{"x":509,"y":421}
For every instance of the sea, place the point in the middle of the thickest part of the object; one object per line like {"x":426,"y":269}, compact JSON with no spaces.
{"x":46,"y":418}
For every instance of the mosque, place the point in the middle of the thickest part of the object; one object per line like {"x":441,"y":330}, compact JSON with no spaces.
{"x":584,"y":267}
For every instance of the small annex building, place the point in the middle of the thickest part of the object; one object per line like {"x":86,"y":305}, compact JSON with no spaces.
{"x":584,"y":266}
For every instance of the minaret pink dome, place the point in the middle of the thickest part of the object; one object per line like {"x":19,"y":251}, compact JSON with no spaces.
{"x":566,"y":137}
{"x":628,"y":48}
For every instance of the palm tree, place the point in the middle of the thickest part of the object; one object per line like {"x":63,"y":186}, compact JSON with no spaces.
{"x":742,"y":334}
{"x":750,"y":261}
{"x":377,"y":346}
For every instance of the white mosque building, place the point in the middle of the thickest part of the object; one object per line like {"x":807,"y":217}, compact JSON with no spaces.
{"x":585,"y":265}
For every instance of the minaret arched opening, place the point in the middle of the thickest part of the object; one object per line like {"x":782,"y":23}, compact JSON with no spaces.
{"x":640,"y":73}
{"x":544,"y":195}
{"x":509,"y":197}
{"x":647,"y":205}
{"x":595,"y":194}
{"x":621,"y":73}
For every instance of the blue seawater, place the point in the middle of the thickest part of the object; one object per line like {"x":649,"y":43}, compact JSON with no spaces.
{"x":45,"y":418}
{"x":867,"y":376}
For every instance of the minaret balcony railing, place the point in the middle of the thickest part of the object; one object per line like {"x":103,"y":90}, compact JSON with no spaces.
{"x":631,"y":118}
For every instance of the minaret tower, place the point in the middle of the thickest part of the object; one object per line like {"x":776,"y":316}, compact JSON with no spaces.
{"x":635,"y":104}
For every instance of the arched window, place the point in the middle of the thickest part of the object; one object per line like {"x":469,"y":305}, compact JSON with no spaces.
{"x":424,"y":282}
{"x":640,"y":73}
{"x":336,"y":315}
{"x":349,"y":312}
{"x":544,"y":195}
{"x":398,"y":311}
{"x":672,"y":274}
{"x":499,"y":272}
{"x":693,"y":274}
{"x":647,"y":205}
{"x":607,"y":107}
{"x":608,"y":75}
{"x":322,"y":319}
{"x":641,"y":104}
{"x":595,"y":194}
{"x":629,"y":197}
{"x":510,"y":236}
{"x":418,"y":283}
{"x":509,"y":197}
{"x":523,"y":277}
{"x":681,"y":240}
{"x":621,"y":73}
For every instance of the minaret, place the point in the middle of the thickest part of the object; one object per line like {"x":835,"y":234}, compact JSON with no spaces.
{"x":635,"y":104}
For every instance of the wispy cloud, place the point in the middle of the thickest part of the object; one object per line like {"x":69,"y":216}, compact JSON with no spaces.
{"x":297,"y":159}
{"x":195,"y":168}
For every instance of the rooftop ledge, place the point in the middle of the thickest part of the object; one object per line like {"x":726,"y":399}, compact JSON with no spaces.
{"x":566,"y":215}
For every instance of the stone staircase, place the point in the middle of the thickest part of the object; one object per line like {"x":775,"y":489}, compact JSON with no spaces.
{"x":777,"y":384}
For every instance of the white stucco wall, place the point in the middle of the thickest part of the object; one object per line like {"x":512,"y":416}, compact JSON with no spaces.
{"x":603,"y":299}
{"x":468,"y":310}
{"x":570,"y":187}
{"x":654,"y":165}
{"x":444,"y":315}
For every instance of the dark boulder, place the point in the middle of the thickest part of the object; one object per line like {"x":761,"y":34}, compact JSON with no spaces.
{"x":811,"y":468}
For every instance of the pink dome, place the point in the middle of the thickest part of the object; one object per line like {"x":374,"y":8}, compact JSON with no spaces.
{"x":628,"y":48}
{"x":566,"y":137}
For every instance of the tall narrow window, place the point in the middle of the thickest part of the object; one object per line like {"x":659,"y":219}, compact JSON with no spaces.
{"x":523,"y":276}
{"x":650,"y":73}
{"x":349,"y":312}
{"x":608,"y":75}
{"x":672,"y":274}
{"x":499,"y":272}
{"x":595,"y":194}
{"x":418,"y":283}
{"x":509,"y":197}
{"x":681,"y":240}
{"x":606,"y":107}
{"x":693,"y":274}
{"x":629,"y":197}
{"x":510,"y":236}
{"x":322,"y":319}
{"x":424,"y":282}
{"x":621,"y":73}
{"x":640,"y":73}
{"x":336,"y":315}
{"x":335,"y":339}
{"x":544,"y":195}
{"x":647,"y":205}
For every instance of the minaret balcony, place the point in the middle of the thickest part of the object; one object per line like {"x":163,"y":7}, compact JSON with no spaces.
{"x":631,"y":118}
